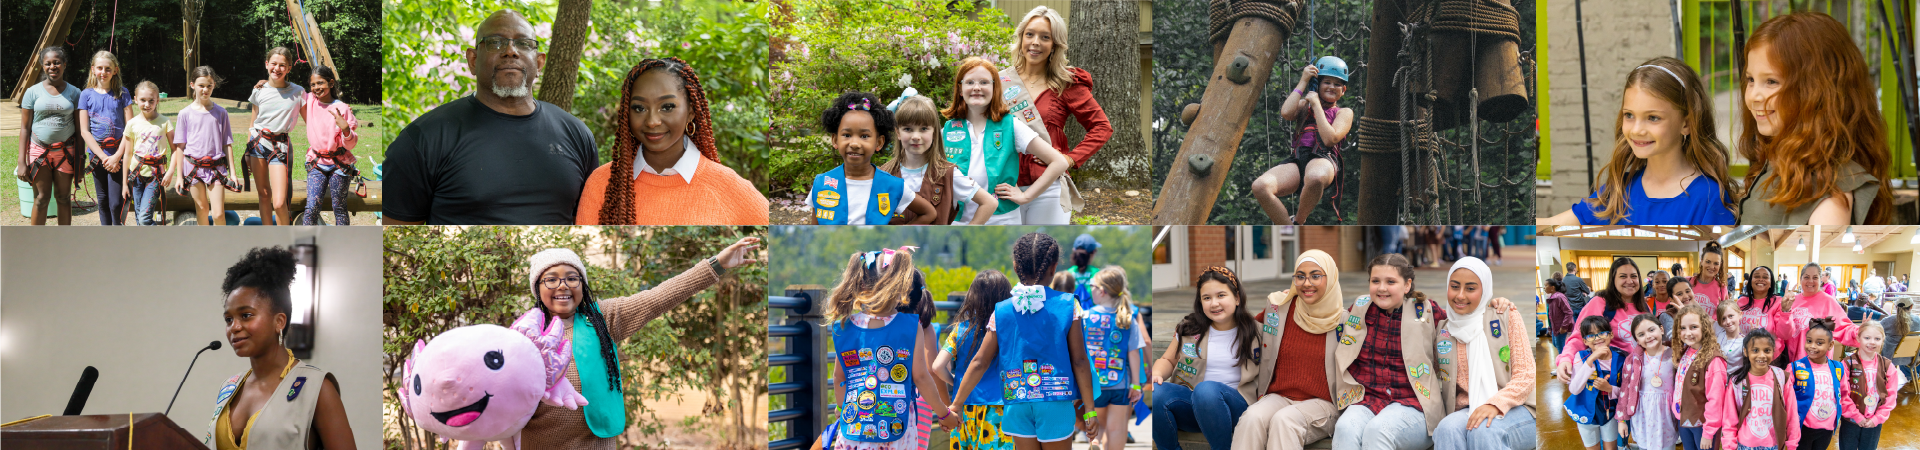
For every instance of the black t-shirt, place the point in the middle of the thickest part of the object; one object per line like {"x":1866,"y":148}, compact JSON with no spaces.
{"x":466,"y":164}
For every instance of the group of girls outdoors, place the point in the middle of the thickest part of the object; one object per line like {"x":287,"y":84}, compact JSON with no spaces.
{"x":1397,"y":370}
{"x":996,"y":155}
{"x":1678,"y":363}
{"x":1810,"y":132}
{"x":189,"y":154}
{"x":999,"y":377}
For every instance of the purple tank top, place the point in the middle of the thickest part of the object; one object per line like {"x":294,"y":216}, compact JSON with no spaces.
{"x":1309,"y":136}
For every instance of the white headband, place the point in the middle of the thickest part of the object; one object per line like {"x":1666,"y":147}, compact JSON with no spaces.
{"x":1676,"y":77}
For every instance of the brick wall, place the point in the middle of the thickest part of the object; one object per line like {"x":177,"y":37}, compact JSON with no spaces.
{"x":1206,"y":247}
{"x":1620,"y":34}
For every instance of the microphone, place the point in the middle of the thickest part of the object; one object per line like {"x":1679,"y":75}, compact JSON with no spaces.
{"x":215,"y":345}
{"x":81,"y":391}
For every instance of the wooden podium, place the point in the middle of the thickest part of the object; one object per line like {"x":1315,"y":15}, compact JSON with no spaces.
{"x":149,"y":431}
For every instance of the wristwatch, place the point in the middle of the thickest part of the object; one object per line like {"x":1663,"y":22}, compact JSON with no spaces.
{"x":718,"y":270}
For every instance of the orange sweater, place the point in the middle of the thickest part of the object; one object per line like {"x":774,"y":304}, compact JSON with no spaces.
{"x":717,"y":196}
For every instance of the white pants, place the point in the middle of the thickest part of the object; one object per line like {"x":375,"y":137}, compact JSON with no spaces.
{"x":1045,"y":209}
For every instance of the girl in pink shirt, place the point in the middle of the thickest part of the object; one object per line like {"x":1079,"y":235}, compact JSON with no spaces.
{"x":1809,"y":304}
{"x":1622,"y":300}
{"x":331,"y":137}
{"x":1757,"y":408}
{"x":1875,"y":384}
{"x":1763,"y":309}
{"x":1711,"y":284}
{"x":1699,"y":373}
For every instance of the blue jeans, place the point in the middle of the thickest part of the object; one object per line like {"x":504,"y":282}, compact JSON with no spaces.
{"x":1396,"y":427}
{"x":1559,"y":342}
{"x":1855,"y":437}
{"x":1690,"y":438}
{"x":146,"y":192}
{"x":1210,"y":408}
{"x":328,"y":183}
{"x":1513,"y":430}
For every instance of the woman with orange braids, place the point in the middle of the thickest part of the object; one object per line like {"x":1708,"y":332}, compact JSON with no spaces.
{"x":682,"y":182}
{"x":1811,"y":130}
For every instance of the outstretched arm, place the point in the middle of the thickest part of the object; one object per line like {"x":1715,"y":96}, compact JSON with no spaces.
{"x":638,"y":309}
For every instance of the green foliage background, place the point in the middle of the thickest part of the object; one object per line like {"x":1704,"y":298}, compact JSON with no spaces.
{"x":724,"y":41}
{"x":439,"y":278}
{"x":235,"y":36}
{"x":822,"y":48}
{"x":1182,"y":61}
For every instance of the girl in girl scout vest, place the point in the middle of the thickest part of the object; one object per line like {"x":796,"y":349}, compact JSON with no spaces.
{"x":282,"y":402}
{"x":1297,"y":409}
{"x":878,"y":357}
{"x":1388,"y":393}
{"x":858,"y":192}
{"x":560,"y":288}
{"x":1875,"y":384}
{"x":986,"y":142}
{"x":1700,"y":369}
{"x":985,"y":407}
{"x":1758,"y":411}
{"x":1038,"y":378}
{"x":1485,"y":366}
{"x":1117,"y":342}
{"x":922,"y":163}
{"x":1206,"y":378}
{"x":1821,"y":385}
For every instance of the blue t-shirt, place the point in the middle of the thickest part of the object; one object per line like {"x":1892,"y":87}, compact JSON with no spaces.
{"x":1701,"y":204}
{"x":53,"y":115}
{"x":106,"y":112}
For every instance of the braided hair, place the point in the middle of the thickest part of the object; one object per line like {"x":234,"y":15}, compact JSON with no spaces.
{"x":1034,"y":257}
{"x":268,"y":270}
{"x":591,"y":309}
{"x":618,"y":209}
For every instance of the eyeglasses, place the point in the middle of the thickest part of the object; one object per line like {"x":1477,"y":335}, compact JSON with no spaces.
{"x":554,"y":283}
{"x":1303,"y":278}
{"x":497,"y":43}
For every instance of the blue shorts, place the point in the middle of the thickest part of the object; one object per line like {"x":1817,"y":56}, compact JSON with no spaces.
{"x":1046,"y":421}
{"x":1111,"y":397}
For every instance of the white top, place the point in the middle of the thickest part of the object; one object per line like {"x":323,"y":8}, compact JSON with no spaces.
{"x":858,"y":192}
{"x":689,"y":160}
{"x":275,"y":109}
{"x":1222,"y":364}
{"x":977,"y":164}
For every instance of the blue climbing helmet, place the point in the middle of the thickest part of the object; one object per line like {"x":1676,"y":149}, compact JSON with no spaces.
{"x":1332,"y":66}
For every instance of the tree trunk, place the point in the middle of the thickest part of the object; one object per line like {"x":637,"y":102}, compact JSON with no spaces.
{"x":1104,"y":40}
{"x":562,"y":75}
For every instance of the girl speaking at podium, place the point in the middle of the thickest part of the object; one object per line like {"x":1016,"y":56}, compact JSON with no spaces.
{"x":282,"y":402}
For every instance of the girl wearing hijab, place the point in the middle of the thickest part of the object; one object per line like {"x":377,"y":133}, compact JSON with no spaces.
{"x":1490,"y":364}
{"x":1295,"y":410}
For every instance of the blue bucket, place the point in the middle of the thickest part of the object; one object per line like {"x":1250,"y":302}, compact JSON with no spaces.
{"x":26,"y":201}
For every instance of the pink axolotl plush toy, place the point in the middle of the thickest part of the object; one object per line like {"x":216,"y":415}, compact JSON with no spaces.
{"x":481,"y":383}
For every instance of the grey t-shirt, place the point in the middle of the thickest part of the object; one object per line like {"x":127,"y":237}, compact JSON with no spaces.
{"x":53,"y":115}
{"x":275,"y":109}
{"x":466,"y":164}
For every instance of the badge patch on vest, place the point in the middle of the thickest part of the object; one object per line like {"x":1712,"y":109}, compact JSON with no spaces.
{"x":1349,"y":396}
{"x":298,"y":383}
{"x":899,"y":373}
{"x":827,"y":199}
{"x":1419,"y":371}
{"x":886,"y":205}
{"x":1506,"y":354}
{"x":833,"y":182}
{"x":1189,"y":350}
{"x":1419,"y":311}
{"x":955,"y":136}
{"x":1446,"y":346}
{"x":885,"y":354}
{"x":1496,"y":328}
{"x":850,"y":358}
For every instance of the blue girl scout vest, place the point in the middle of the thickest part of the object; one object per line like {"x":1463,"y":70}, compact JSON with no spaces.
{"x":1590,"y":406}
{"x":878,"y":365}
{"x":1107,"y":346}
{"x":964,"y":349}
{"x":1003,"y":161}
{"x":830,"y":192}
{"x":1804,"y":390}
{"x":1034,"y":367}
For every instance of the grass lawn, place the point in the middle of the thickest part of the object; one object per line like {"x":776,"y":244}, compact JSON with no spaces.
{"x":368,"y":151}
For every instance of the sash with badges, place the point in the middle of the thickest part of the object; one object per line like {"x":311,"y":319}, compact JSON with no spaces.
{"x":830,"y":192}
{"x":878,"y":381}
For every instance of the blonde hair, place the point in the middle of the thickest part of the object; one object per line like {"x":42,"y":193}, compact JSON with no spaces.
{"x":1057,"y":75}
{"x":146,"y":86}
{"x":1113,"y":279}
{"x":111,"y":84}
{"x":871,"y":288}
{"x":919,"y":110}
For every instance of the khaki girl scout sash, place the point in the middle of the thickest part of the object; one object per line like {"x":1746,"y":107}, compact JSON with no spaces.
{"x":1003,"y":160}
{"x":285,"y":421}
{"x":1273,"y":327}
{"x":1021,"y":103}
{"x":1868,"y":390}
{"x":1190,"y":366}
{"x":1418,"y":331}
{"x":1452,"y":352}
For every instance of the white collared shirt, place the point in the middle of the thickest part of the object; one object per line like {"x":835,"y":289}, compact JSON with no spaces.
{"x":689,"y":161}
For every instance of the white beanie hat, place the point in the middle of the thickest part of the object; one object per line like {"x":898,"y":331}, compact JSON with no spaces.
{"x":546,"y":259}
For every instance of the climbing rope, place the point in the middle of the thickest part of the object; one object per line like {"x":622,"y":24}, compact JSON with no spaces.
{"x":1222,"y":14}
